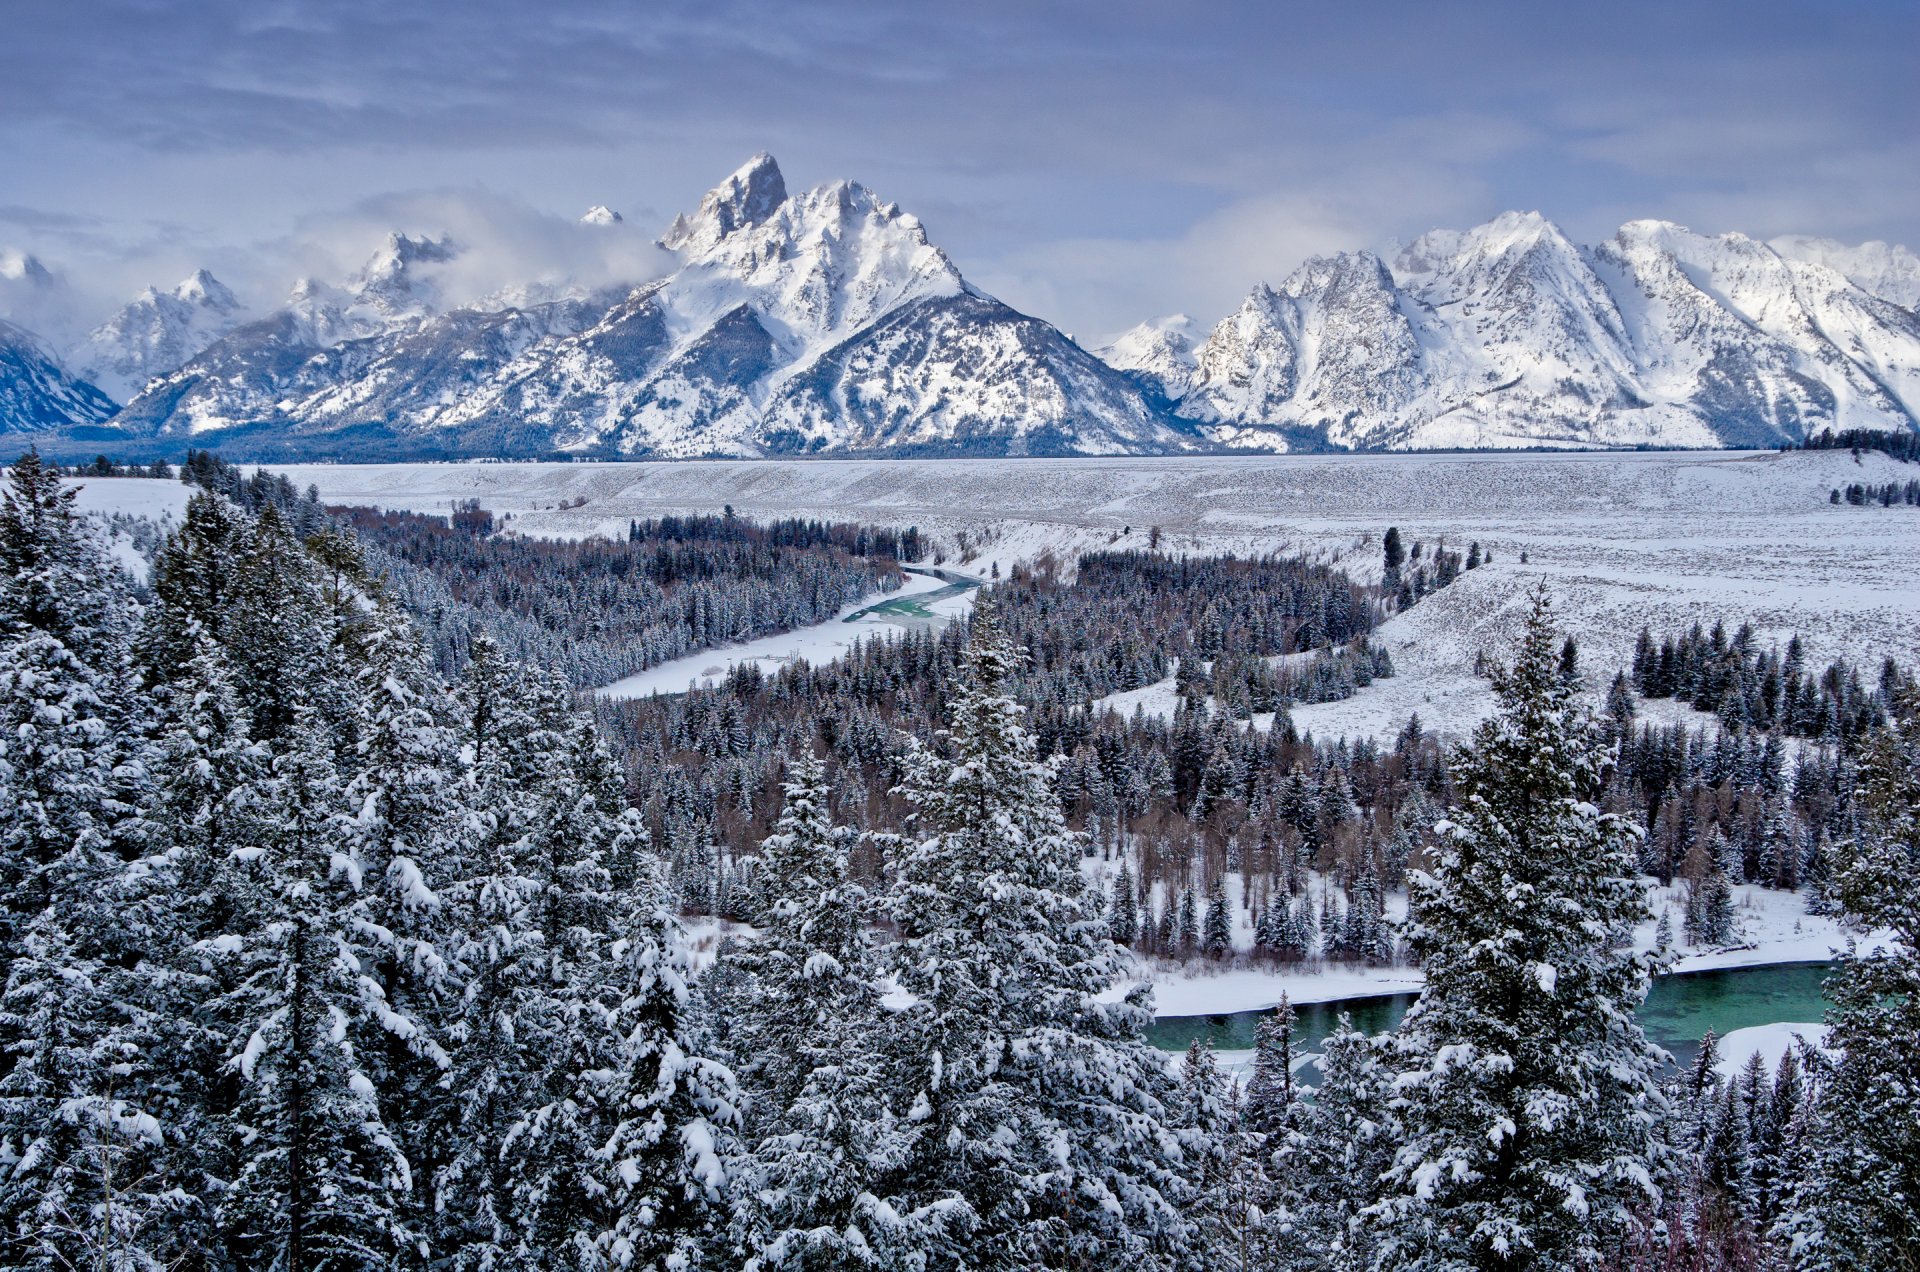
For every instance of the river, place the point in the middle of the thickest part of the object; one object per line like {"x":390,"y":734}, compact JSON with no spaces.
{"x":1677,"y":1013}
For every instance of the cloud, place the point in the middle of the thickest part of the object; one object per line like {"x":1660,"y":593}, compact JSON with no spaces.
{"x":502,"y":242}
{"x":1093,"y":161}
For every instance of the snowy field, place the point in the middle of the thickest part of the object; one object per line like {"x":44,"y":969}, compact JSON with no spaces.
{"x":1663,"y":539}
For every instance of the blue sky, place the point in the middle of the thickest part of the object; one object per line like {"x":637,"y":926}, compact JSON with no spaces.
{"x":1093,"y":163}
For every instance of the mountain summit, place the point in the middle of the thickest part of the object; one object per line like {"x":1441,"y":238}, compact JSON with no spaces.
{"x":827,"y":321}
{"x":820,"y":322}
{"x":1510,"y":334}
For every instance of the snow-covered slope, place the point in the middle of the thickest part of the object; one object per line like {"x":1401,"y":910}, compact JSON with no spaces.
{"x":36,"y":394}
{"x":1886,"y":270}
{"x":1159,"y":353}
{"x":822,"y":321}
{"x":156,"y":333}
{"x":1510,"y":334}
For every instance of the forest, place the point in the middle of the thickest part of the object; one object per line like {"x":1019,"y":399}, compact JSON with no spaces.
{"x":335,"y":935}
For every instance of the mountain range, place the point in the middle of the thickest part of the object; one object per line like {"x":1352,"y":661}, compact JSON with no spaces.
{"x":827,"y":322}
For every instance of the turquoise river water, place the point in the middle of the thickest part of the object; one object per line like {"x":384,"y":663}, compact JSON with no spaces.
{"x":1677,"y":1013}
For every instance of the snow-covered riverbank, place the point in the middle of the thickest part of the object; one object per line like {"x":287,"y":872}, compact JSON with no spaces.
{"x":1775,"y":928}
{"x":818,"y":644}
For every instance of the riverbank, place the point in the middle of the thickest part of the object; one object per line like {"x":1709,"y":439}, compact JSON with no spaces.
{"x":925,"y":596}
{"x":1775,"y":928}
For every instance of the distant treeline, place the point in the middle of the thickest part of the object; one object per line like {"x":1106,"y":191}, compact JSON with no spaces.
{"x":1901,"y":446}
{"x":788,"y":532}
{"x":1886,"y":496}
{"x":595,"y":610}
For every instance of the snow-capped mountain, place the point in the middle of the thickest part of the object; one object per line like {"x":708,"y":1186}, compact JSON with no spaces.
{"x":1510,"y":334}
{"x":826,"y":321}
{"x":1158,"y":352}
{"x":36,"y":393}
{"x":1886,"y":270}
{"x":823,"y":321}
{"x":156,"y":333}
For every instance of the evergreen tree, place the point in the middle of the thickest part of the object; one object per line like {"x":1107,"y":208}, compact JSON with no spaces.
{"x":805,"y":1046}
{"x":1123,"y":912}
{"x":1037,"y":1109}
{"x":1527,"y":1107}
{"x":1857,"y":1206}
{"x":1342,"y":1149}
{"x":321,"y":1182}
{"x":1216,"y":938}
{"x":676,"y":1109}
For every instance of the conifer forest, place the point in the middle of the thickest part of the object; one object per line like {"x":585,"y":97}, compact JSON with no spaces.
{"x":344,"y":927}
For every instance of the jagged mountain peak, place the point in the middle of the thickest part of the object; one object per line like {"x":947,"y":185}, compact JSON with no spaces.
{"x":748,"y":196}
{"x":601,"y":214}
{"x":202,"y":288}
{"x":156,"y":332}
{"x":19,"y":266}
{"x":1319,"y":273}
{"x":1158,"y":352}
{"x":392,"y":282}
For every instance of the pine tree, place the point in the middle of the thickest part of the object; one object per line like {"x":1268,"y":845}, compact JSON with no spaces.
{"x":1037,"y":1110}
{"x":1216,"y":939}
{"x":1272,"y":1099}
{"x":321,"y":1182}
{"x":676,"y":1109}
{"x":1527,"y":1107}
{"x":1857,"y":1206}
{"x":805,"y":1045}
{"x":1203,"y":1116}
{"x":63,"y":655}
{"x":1123,"y":912}
{"x":1339,"y":1149}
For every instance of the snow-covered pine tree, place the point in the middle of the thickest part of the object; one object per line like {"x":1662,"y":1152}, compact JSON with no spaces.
{"x":1856,"y":1206}
{"x":1272,"y":1098}
{"x":1709,"y":912}
{"x":1205,"y":1116}
{"x":320,"y":1182}
{"x":1216,"y":935}
{"x":1123,"y":912}
{"x":508,"y":1026}
{"x":1038,"y":1110}
{"x":80,"y":930}
{"x":1525,"y":1104}
{"x":91,"y":1175}
{"x":407,"y":813}
{"x":805,"y":1044}
{"x":676,"y":1110}
{"x":63,"y":656}
{"x":1341,"y":1149}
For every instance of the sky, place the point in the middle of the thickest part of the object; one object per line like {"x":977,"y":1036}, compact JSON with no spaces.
{"x":1092,"y":163}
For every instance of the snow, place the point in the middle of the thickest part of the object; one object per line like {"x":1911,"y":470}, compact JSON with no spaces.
{"x":1664,"y":539}
{"x":1774,"y":927}
{"x":149,"y":497}
{"x":819,"y":644}
{"x":1769,"y":1042}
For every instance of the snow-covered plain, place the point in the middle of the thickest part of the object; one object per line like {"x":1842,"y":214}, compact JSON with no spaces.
{"x":1664,"y":539}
